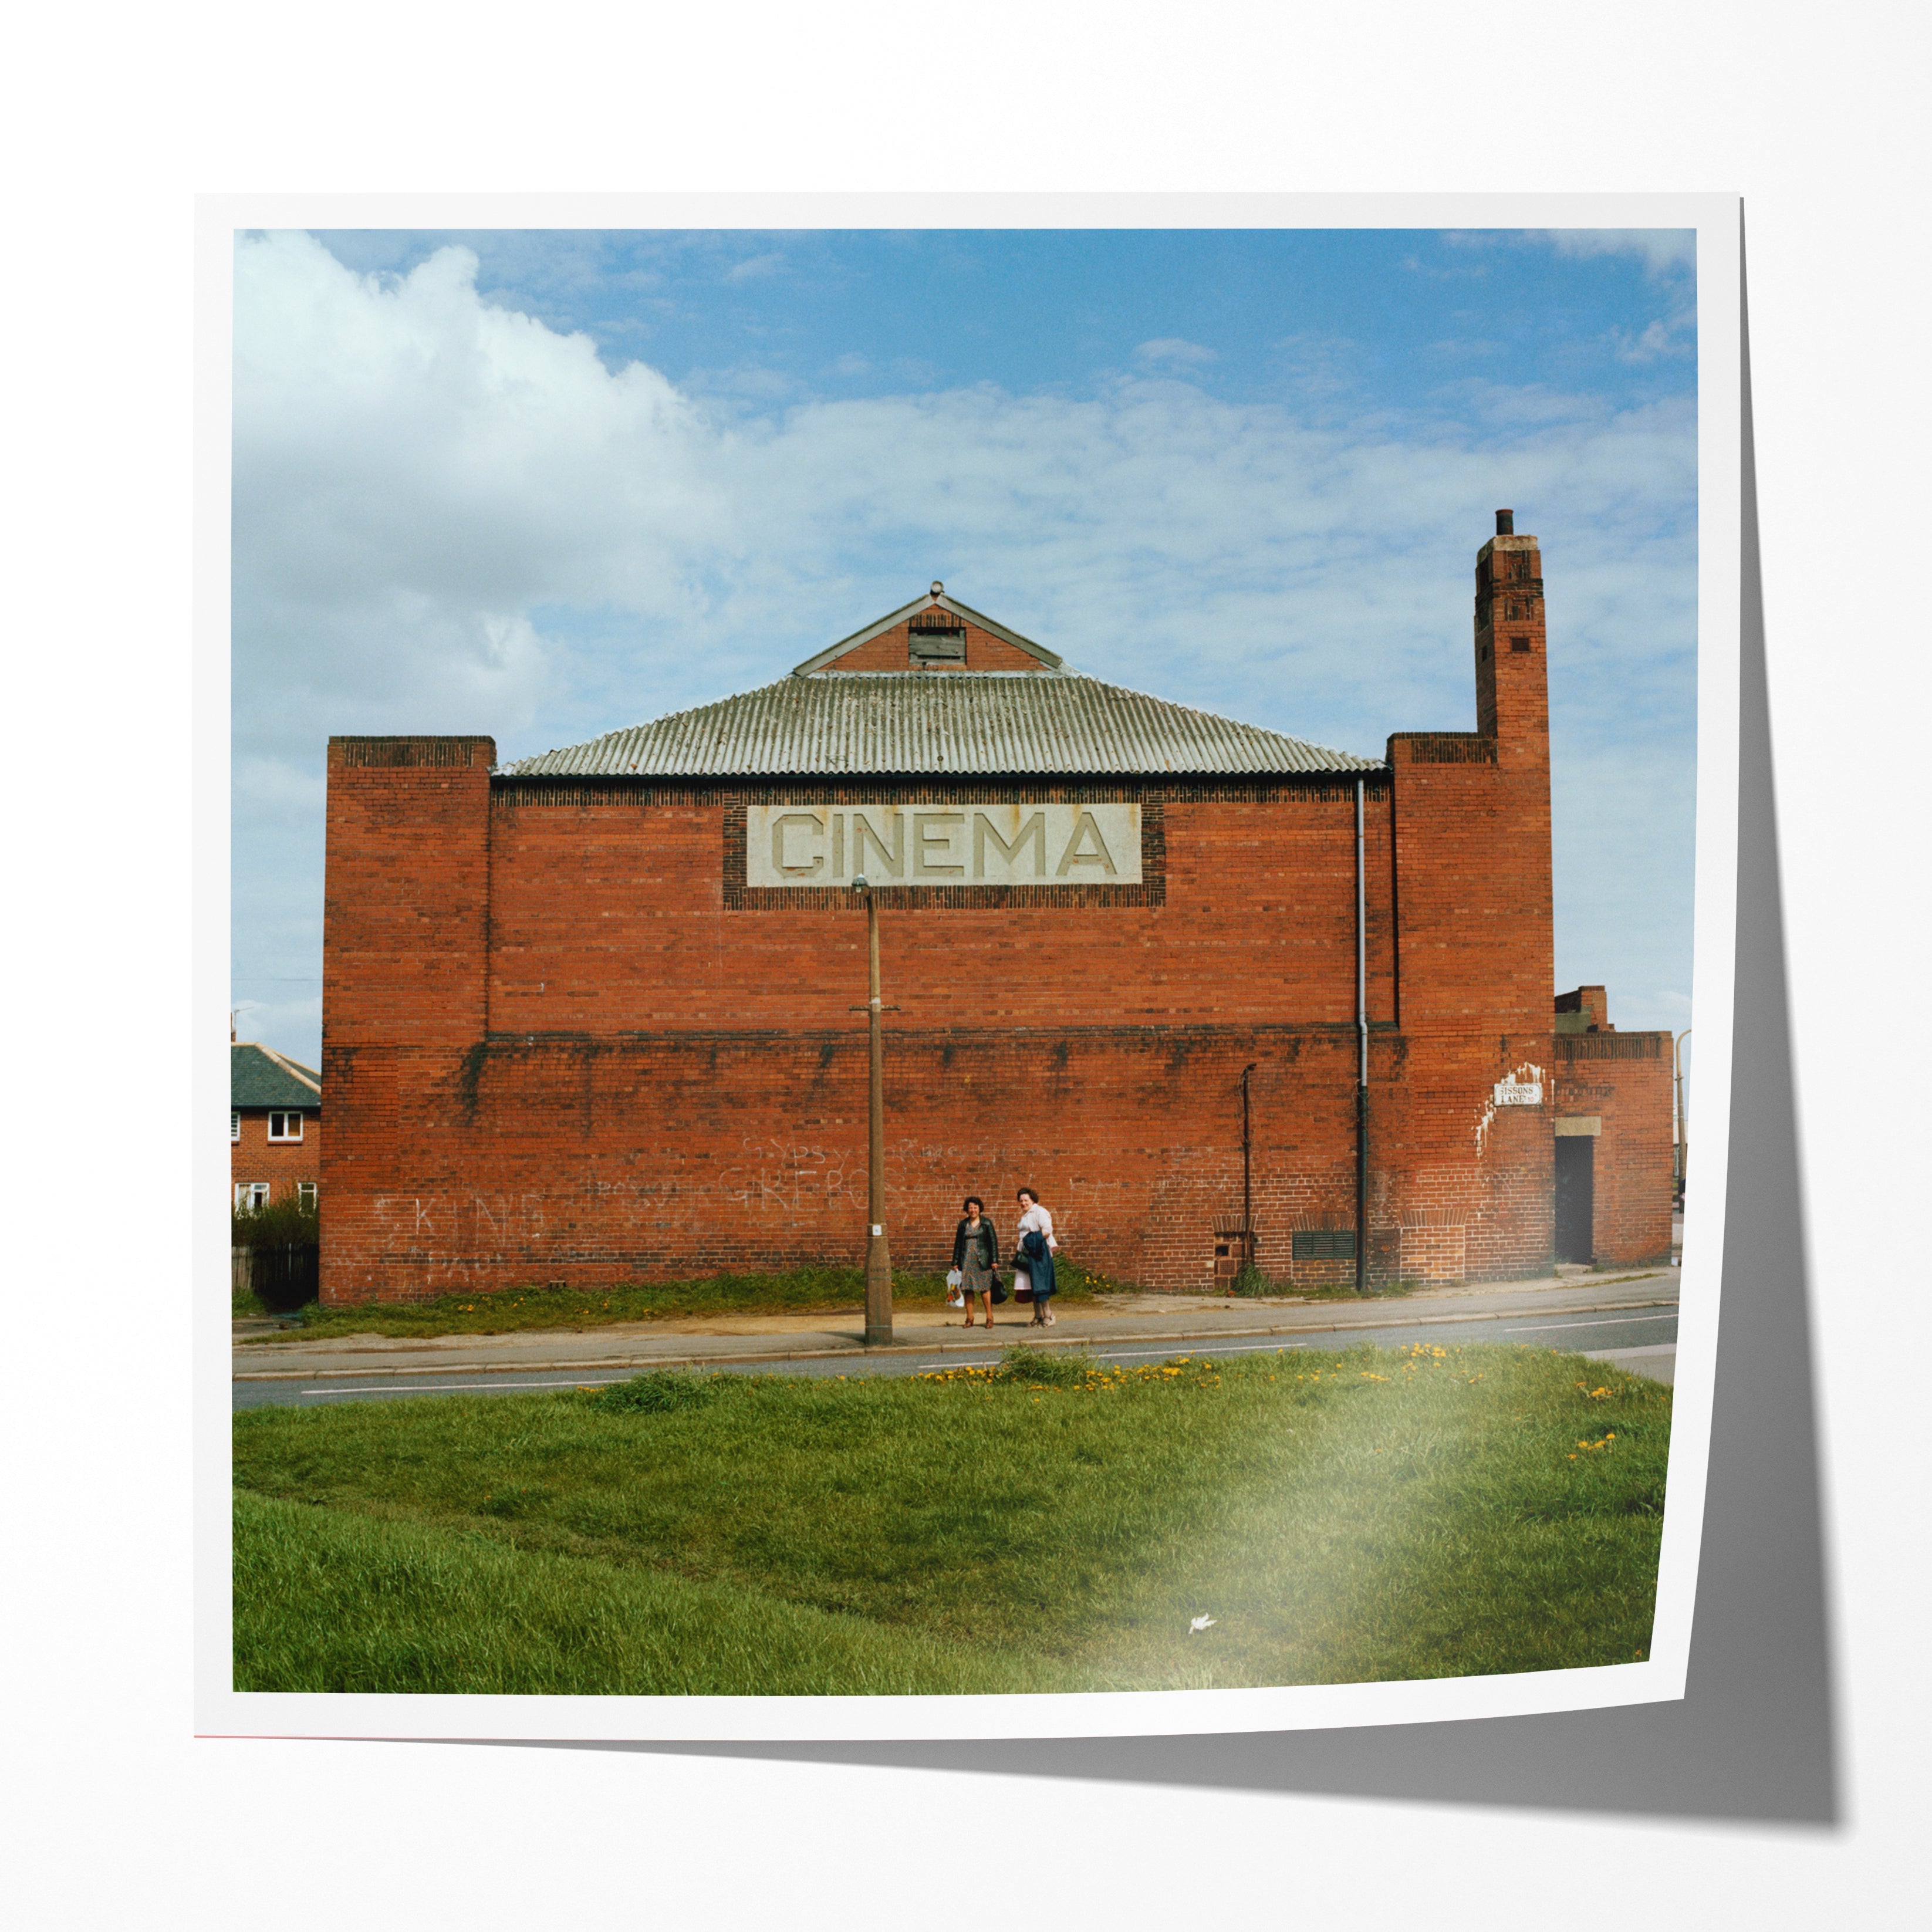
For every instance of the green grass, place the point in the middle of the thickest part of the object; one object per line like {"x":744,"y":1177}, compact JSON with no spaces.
{"x":799,"y":1291}
{"x":1049,"y":1525}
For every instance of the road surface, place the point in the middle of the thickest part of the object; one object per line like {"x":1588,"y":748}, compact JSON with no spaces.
{"x":1642,"y":1340}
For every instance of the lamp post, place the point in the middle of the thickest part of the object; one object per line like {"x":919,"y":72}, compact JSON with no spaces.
{"x":1683,"y":1119}
{"x":878,"y":1249}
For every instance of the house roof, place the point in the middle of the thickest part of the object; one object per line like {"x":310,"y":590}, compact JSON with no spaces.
{"x":1005,"y":723}
{"x":258,"y":1076}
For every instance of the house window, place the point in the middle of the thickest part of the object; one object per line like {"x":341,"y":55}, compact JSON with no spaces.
{"x":305,"y":1192}
{"x":234,"y":1125}
{"x":251,"y":1194}
{"x":285,"y":1126}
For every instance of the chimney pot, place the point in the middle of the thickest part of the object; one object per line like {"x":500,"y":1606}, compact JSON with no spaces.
{"x":1505,"y":522}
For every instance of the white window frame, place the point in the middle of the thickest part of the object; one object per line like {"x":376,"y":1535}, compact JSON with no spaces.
{"x":245,"y":1191}
{"x":305,"y":1193}
{"x":284,"y":1116}
{"x":234,"y":1123}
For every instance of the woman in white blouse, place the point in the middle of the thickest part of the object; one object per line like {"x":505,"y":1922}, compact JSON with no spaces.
{"x":1037,"y":1219}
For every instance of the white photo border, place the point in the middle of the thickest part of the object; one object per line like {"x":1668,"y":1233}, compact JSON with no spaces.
{"x":221,"y":1711}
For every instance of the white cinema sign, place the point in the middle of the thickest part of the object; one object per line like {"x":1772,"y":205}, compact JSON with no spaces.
{"x":1018,"y":844}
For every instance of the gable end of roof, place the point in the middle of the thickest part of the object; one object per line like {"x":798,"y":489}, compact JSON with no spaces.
{"x":1047,"y":660}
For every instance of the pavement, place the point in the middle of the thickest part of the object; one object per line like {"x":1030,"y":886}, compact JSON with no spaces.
{"x":1622,"y":1314}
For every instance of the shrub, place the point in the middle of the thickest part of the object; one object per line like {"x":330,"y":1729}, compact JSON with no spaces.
{"x":284,"y":1223}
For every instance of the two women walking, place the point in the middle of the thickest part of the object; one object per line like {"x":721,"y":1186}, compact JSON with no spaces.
{"x":975,"y":1258}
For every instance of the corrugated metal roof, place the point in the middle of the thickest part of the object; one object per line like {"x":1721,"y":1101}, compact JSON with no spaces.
{"x":964,"y":721}
{"x":258,"y":1076}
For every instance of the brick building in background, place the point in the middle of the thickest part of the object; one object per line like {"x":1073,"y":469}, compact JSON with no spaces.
{"x":274,"y":1125}
{"x":1613,"y":1122}
{"x":590,"y":1017}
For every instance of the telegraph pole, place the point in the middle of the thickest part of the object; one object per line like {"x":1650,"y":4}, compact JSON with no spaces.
{"x":878,"y":1249}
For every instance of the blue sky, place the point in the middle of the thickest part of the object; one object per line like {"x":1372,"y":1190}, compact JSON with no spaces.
{"x":542,"y":484}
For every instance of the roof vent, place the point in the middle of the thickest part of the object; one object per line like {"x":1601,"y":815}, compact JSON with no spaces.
{"x":1505,"y":522}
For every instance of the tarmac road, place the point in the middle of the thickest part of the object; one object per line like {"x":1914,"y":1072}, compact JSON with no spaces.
{"x":1642,"y":1340}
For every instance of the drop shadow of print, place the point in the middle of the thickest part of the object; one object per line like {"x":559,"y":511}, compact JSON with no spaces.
{"x":1755,"y":1737}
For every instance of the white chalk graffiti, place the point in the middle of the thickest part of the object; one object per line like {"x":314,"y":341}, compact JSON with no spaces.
{"x":787,"y":1177}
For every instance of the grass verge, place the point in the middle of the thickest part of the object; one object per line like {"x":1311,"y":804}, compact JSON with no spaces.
{"x":1049,"y":1524}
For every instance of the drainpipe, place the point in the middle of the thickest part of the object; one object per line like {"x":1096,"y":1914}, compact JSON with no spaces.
{"x":1362,"y":1055}
{"x":1247,"y":1190}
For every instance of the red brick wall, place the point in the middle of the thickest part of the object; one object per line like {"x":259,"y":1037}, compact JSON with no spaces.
{"x":1624,"y":1079}
{"x":890,"y":650}
{"x":281,"y":1163}
{"x":1475,"y":955}
{"x":405,"y":931}
{"x":610,"y":916}
{"x":558,"y":1047}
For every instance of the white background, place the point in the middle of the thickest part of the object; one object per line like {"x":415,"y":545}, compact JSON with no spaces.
{"x":117,"y":1815}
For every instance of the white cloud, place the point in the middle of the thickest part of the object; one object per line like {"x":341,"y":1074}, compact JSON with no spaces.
{"x":449,"y":518}
{"x":1661,"y":250}
{"x":1668,"y":335}
{"x":1173,"y":349}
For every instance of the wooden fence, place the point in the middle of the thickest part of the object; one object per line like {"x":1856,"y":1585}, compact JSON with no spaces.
{"x":283,"y":1276}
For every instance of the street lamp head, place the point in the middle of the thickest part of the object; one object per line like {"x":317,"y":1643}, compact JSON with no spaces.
{"x":858,"y":883}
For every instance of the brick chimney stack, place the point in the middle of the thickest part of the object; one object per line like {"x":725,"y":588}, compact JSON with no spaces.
{"x":1512,"y":676}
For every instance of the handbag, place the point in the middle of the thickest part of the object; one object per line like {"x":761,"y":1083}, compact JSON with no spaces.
{"x":999,"y":1290}
{"x":1022,"y":1278}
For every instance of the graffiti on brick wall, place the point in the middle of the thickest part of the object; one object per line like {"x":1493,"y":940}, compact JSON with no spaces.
{"x":790,"y":1178}
{"x":419,"y":1223}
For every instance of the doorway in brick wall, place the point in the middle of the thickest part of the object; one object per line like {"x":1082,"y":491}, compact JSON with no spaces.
{"x":1575,"y":1197}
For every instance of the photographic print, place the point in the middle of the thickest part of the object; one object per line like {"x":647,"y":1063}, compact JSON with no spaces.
{"x":962,"y":966}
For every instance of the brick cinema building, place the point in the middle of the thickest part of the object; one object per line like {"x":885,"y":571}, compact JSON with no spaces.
{"x":590,"y":1017}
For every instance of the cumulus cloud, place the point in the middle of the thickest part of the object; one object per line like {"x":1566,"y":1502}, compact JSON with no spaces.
{"x":1661,"y":251}
{"x":449,"y":516}
{"x":1173,"y":350}
{"x":1668,"y":335}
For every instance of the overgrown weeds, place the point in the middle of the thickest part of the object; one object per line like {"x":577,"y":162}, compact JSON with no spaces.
{"x":288,"y":1223}
{"x":659,"y":1392}
{"x":801,"y":1291}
